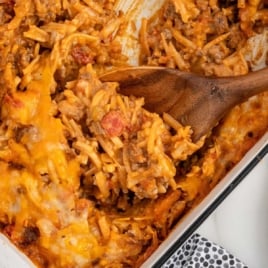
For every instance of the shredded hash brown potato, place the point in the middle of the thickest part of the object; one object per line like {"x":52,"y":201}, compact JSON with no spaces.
{"x":88,"y":177}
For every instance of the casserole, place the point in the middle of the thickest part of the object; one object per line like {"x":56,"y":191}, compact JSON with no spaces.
{"x":89,"y":193}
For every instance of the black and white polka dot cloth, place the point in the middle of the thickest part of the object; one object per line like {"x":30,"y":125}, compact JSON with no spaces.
{"x":199,"y":252}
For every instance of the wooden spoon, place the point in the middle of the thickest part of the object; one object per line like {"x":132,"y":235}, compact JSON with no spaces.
{"x":192,"y":99}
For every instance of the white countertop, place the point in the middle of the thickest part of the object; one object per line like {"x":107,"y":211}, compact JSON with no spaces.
{"x":240,"y":223}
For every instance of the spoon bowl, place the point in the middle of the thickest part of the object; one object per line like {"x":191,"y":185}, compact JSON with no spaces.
{"x":194,"y":100}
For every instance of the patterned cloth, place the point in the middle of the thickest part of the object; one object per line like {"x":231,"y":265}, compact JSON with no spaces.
{"x":199,"y":252}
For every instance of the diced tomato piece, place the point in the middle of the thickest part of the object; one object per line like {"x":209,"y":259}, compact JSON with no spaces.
{"x":9,"y":99}
{"x":114,"y":123}
{"x":82,"y":55}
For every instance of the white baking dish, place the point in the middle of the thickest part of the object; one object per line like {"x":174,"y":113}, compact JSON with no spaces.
{"x":10,"y":257}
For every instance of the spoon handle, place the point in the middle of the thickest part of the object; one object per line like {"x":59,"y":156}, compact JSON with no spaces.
{"x":242,"y":87}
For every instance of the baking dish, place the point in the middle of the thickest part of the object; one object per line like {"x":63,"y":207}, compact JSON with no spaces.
{"x":196,"y":215}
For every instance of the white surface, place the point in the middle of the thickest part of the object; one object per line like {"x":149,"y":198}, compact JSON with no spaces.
{"x":240,"y":223}
{"x":10,"y":257}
